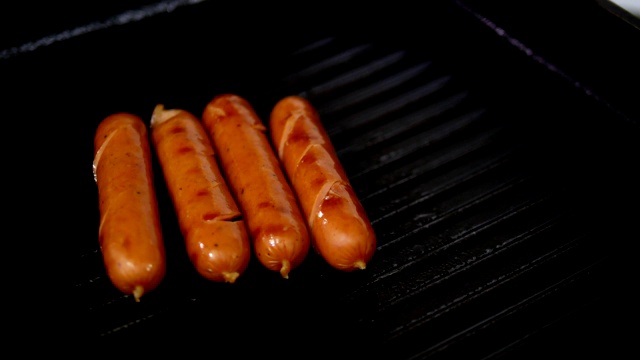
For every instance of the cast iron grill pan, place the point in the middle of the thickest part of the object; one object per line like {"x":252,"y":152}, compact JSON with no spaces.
{"x":496,"y":237}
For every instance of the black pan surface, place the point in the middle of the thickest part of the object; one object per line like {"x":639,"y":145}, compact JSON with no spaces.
{"x":497,"y":167}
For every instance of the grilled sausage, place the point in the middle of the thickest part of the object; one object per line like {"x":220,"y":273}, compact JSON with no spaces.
{"x":341,"y":231}
{"x":276,"y":225}
{"x":211,"y":223}
{"x":130,"y":234}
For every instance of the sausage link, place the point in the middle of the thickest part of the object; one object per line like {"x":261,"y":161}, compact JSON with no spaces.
{"x":275,"y":221}
{"x":130,"y":234}
{"x":215,"y":234}
{"x":341,"y":231}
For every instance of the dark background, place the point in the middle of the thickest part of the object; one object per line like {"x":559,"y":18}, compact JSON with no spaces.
{"x":55,"y":94}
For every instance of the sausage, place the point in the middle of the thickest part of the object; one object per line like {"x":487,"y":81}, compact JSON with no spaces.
{"x":274,"y":219}
{"x":130,"y":234}
{"x":214,"y":231}
{"x":340,"y":229}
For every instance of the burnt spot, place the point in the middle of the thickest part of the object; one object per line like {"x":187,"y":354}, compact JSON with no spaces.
{"x":126,"y":243}
{"x":184,"y":150}
{"x":177,"y":130}
{"x":195,"y":171}
{"x":265,"y":204}
{"x":202,"y":192}
{"x":298,"y":135}
{"x":309,"y":158}
{"x":317,"y":181}
{"x":332,"y":201}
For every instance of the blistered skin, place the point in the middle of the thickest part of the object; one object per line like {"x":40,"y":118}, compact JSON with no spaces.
{"x":215,"y":234}
{"x":130,"y":234}
{"x":341,"y":231}
{"x":276,"y":225}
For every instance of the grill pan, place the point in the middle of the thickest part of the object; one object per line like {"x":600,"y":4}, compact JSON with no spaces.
{"x":499,"y":175}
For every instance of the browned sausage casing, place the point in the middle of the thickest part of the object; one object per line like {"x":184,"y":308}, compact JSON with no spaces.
{"x":214,"y":231}
{"x":341,"y":231}
{"x":130,"y":234}
{"x":275,"y":221}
